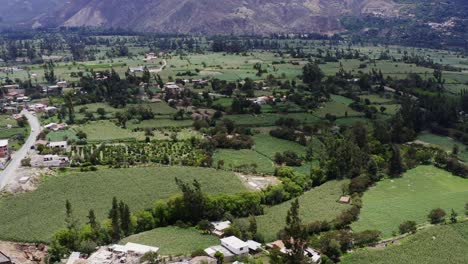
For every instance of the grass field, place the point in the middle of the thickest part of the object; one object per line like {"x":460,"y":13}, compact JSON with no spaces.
{"x":34,"y":216}
{"x":411,"y":197}
{"x":444,"y":143}
{"x":437,"y":245}
{"x":376,"y":99}
{"x":235,"y":158}
{"x":174,"y":240}
{"x":268,"y":145}
{"x":319,"y":203}
{"x":62,"y":135}
{"x":337,"y":106}
{"x":107,"y":130}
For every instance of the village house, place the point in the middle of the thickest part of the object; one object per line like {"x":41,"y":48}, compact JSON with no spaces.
{"x":150,"y":57}
{"x":128,"y":253}
{"x":38,"y":108}
{"x":200,"y":81}
{"x":49,"y":161}
{"x":220,"y":226}
{"x":172,"y":88}
{"x":62,"y":84}
{"x":262,"y":100}
{"x":56,"y":127}
{"x":345,"y":199}
{"x":52,"y":90}
{"x":51,"y":110}
{"x":4,"y":151}
{"x":10,"y":110}
{"x":309,"y":252}
{"x":137,"y":69}
{"x":58,"y":144}
{"x":52,"y":57}
{"x":231,"y":247}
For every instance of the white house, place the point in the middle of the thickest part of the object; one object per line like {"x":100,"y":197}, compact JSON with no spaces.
{"x":59,"y":144}
{"x":253,"y":245}
{"x":220,"y":226}
{"x":235,"y":245}
{"x":314,"y":255}
{"x":133,"y":248}
{"x":49,"y":161}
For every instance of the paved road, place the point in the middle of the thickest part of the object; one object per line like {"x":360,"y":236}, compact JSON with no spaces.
{"x":9,"y":174}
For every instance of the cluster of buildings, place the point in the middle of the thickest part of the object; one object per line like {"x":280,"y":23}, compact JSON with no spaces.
{"x":128,"y":253}
{"x":233,"y":247}
{"x":51,"y":160}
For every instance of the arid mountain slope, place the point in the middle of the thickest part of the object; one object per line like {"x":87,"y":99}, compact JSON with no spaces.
{"x":218,"y":16}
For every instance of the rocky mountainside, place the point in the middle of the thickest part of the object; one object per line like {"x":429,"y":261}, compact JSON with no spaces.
{"x":14,"y":12}
{"x":217,"y":16}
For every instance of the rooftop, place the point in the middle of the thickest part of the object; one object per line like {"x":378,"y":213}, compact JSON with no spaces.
{"x":234,"y":242}
{"x":140,"y":249}
{"x":3,"y":142}
{"x":3,"y":258}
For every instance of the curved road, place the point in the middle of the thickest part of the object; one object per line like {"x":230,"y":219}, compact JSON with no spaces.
{"x":9,"y":174}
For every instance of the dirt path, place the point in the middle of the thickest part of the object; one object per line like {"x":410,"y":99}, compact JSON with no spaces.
{"x":160,"y":68}
{"x":24,"y":253}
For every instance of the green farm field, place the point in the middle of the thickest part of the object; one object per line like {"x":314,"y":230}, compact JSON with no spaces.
{"x":236,"y":158}
{"x":411,"y":197}
{"x":35,"y":216}
{"x":174,"y":240}
{"x":445,"y":143}
{"x":269,"y":146}
{"x":319,"y":203}
{"x":436,"y":245}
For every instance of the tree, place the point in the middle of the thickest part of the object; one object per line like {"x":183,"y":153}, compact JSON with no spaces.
{"x":252,"y":225}
{"x":92,"y":222}
{"x":81,"y":135}
{"x":205,"y":226}
{"x":295,"y":235}
{"x":102,"y":112}
{"x":115,"y":223}
{"x":453,"y":217}
{"x":219,"y":257}
{"x":70,"y":219}
{"x":437,"y":216}
{"x":68,"y":99}
{"x":408,"y":227}
{"x":455,"y":150}
{"x":311,"y":73}
{"x":396,"y":164}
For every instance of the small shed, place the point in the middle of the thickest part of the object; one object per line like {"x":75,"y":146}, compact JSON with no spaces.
{"x":345,"y":199}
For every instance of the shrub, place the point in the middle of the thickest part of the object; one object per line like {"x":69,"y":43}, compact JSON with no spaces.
{"x":437,"y":216}
{"x":367,"y":238}
{"x":407,"y":227}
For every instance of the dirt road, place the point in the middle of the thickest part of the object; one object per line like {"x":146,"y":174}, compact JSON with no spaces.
{"x":9,"y":174}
